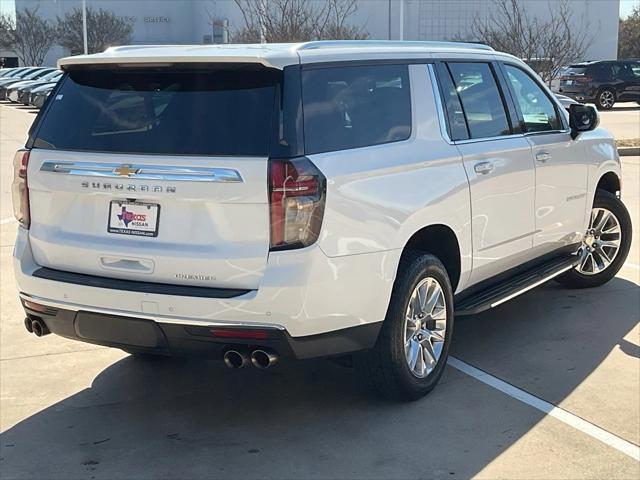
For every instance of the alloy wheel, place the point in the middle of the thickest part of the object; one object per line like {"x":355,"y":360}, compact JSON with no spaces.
{"x":606,"y":99}
{"x":425,"y":327}
{"x":601,"y":243}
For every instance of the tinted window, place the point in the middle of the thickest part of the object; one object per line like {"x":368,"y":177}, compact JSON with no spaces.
{"x":349,"y":107}
{"x":455,"y":115}
{"x":481,"y":100}
{"x":624,"y":71}
{"x":536,"y":108}
{"x":222,"y":111}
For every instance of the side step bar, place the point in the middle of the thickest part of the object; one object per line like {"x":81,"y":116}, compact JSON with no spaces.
{"x":502,"y":292}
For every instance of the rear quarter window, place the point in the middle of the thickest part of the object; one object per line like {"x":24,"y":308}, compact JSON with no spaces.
{"x":355,"y":106}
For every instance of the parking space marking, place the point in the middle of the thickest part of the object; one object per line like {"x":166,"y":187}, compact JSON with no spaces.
{"x":632,"y":265}
{"x":4,"y":221}
{"x":604,"y":436}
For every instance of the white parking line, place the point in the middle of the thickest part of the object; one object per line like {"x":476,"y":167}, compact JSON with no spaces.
{"x":558,"y":413}
{"x":4,"y":221}
{"x":632,"y":265}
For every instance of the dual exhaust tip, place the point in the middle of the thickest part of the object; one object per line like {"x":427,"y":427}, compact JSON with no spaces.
{"x":36,"y":326}
{"x":260,"y":358}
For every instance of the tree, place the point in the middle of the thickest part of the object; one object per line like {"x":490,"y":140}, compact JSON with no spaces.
{"x":546,"y":44}
{"x":7,"y":32}
{"x":104,"y":29}
{"x":32,"y":37}
{"x":629,"y":35}
{"x":296,"y":21}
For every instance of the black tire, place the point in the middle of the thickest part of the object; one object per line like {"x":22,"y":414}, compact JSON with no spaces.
{"x":600,"y":99}
{"x":575,"y":279}
{"x":384,"y":368}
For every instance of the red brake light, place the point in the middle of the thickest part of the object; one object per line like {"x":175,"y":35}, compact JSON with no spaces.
{"x":241,"y":334}
{"x":296,"y":201}
{"x":20,"y":188}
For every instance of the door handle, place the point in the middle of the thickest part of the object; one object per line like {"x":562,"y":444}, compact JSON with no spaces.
{"x":542,"y":157}
{"x":483,"y":167}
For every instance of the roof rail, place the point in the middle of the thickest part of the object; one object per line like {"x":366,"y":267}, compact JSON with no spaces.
{"x":318,"y":44}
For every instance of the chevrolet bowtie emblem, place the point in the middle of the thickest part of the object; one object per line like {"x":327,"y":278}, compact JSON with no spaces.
{"x":125,"y":170}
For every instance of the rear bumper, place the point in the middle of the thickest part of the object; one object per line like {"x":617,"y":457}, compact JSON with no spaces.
{"x":303,"y":294}
{"x":144,"y":335}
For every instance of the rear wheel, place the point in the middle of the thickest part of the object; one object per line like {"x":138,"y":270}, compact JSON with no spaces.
{"x":412,"y":348}
{"x":605,"y":245}
{"x":606,"y":99}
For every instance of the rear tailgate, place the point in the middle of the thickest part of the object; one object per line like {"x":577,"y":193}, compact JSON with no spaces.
{"x":158,"y":176}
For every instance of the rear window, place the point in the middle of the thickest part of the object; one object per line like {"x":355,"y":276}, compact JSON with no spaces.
{"x":576,"y":70}
{"x":190,"y":111}
{"x":355,"y":106}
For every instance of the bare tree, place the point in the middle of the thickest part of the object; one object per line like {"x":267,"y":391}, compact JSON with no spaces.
{"x":547,"y":44}
{"x":32,"y":37}
{"x":104,"y":29}
{"x":7,"y":31}
{"x":296,"y":20}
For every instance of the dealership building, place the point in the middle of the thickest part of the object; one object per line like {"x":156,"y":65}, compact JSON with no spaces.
{"x":206,"y":21}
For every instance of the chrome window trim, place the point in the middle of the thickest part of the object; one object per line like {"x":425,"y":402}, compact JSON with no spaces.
{"x":144,"y":172}
{"x":488,"y":139}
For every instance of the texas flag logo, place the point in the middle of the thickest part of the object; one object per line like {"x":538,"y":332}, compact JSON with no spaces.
{"x":127,"y":217}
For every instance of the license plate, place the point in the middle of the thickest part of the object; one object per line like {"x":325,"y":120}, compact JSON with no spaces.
{"x":133,"y":218}
{"x":569,"y":82}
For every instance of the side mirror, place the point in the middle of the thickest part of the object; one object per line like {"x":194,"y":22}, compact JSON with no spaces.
{"x":582,"y":118}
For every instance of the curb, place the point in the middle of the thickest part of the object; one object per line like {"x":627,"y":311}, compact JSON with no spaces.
{"x":628,"y":151}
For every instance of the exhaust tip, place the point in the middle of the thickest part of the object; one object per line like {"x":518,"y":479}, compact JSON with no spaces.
{"x":263,"y":358}
{"x":27,"y":324}
{"x":235,"y":359}
{"x":39,"y":328}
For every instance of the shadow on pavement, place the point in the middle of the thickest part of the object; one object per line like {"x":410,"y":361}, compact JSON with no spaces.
{"x":172,"y":418}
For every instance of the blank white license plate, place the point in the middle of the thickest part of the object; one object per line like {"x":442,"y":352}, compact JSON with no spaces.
{"x":133,"y":218}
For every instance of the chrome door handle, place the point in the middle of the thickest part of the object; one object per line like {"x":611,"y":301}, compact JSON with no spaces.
{"x":542,"y":157}
{"x":483,"y":167}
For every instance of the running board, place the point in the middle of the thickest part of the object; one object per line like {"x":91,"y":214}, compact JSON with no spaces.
{"x":517,"y":285}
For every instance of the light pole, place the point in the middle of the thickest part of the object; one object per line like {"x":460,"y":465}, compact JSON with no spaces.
{"x":84,"y":26}
{"x":401,"y":35}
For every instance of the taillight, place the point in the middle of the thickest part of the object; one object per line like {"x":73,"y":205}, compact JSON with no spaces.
{"x":583,"y":79}
{"x":20,"y":188}
{"x":296,"y":200}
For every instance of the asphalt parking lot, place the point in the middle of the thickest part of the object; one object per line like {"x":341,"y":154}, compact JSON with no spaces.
{"x":545,"y":386}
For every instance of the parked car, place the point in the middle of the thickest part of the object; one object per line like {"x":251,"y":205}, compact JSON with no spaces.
{"x":9,"y":72}
{"x":19,"y":92}
{"x":602,"y":83}
{"x":554,"y":85}
{"x":39,"y":95}
{"x":565,"y":101}
{"x":313,"y":200}
{"x":16,"y":75}
{"x":32,"y":75}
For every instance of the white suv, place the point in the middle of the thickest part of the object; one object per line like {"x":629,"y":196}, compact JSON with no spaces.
{"x":339,"y":199}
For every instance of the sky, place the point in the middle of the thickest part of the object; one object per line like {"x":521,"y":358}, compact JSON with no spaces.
{"x":8,"y":6}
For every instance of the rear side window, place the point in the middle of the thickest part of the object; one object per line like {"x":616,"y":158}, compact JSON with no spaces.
{"x":199,"y":111}
{"x":481,"y":99}
{"x":355,"y":106}
{"x":538,"y":111}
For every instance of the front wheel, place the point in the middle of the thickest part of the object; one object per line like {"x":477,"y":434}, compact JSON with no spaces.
{"x":605,"y":245}
{"x":412,"y":348}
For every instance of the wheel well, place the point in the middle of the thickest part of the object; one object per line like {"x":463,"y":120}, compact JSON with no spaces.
{"x":610,"y":183}
{"x":442,"y":242}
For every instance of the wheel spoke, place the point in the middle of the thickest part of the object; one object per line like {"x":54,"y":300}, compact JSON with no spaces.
{"x":604,"y":218}
{"x":412,"y":356}
{"x":430,"y":355}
